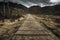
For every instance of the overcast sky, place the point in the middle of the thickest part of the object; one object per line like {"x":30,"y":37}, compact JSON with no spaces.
{"x":54,"y":0}
{"x":41,"y":3}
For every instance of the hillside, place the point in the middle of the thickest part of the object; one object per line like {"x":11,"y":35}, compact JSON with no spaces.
{"x":50,"y":10}
{"x":11,"y":10}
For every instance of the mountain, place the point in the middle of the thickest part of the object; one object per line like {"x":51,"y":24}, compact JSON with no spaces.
{"x":55,"y":10}
{"x":17,"y":5}
{"x":35,"y":9}
{"x":11,"y":10}
{"x":50,"y":10}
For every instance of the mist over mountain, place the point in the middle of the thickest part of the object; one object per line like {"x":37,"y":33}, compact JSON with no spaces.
{"x":34,"y":8}
{"x":29,"y":3}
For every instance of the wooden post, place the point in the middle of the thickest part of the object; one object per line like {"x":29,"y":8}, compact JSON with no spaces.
{"x":3,"y":11}
{"x":4,"y":8}
{"x":8,"y":10}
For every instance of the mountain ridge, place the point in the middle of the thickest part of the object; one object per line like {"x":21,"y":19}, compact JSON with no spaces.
{"x":35,"y":9}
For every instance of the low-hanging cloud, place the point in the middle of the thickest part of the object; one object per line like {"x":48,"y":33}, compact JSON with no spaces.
{"x":29,"y":3}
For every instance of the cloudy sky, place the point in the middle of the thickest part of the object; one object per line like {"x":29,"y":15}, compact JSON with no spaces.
{"x":54,"y":0}
{"x":42,"y":3}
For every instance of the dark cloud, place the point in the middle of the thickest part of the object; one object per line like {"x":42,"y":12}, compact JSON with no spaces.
{"x":29,"y":3}
{"x":36,"y":1}
{"x":33,"y":1}
{"x":1,"y":0}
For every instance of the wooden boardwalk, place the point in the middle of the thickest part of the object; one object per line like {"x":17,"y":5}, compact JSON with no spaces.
{"x":33,"y":30}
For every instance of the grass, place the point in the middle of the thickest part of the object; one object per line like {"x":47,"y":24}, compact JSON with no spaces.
{"x":51,"y":22}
